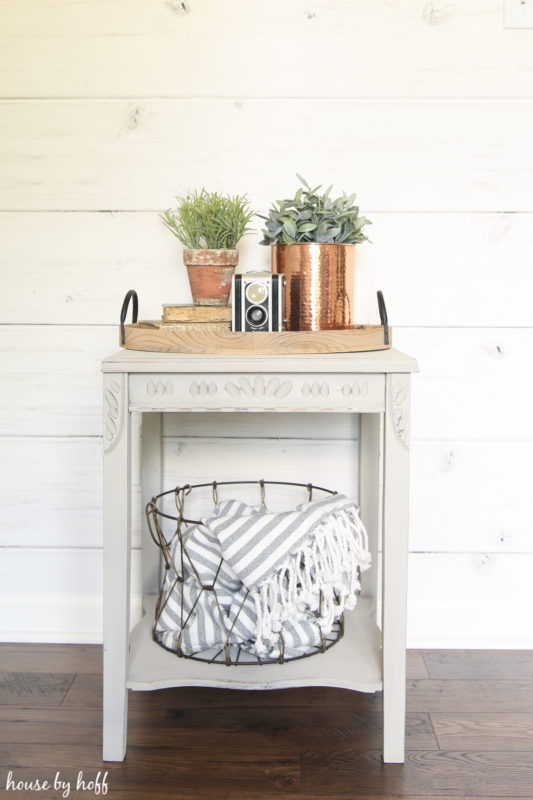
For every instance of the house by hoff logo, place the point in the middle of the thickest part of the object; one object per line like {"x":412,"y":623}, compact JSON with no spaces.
{"x":97,"y":785}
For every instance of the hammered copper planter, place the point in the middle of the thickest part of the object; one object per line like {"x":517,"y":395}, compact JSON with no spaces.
{"x":320,"y":285}
{"x":210,"y":273}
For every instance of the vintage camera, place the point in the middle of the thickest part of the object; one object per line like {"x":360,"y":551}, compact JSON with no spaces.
{"x":258,"y":302}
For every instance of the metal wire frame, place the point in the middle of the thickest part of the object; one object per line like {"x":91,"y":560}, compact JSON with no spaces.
{"x":229,"y":654}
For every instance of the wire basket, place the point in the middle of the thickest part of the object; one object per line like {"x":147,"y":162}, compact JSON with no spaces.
{"x":195,"y":583}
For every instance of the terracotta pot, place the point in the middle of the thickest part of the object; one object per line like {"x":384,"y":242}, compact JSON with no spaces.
{"x":320,"y":285}
{"x":210,"y":273}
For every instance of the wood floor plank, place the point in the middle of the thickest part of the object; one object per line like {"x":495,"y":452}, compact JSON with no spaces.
{"x":268,"y":729}
{"x":441,"y":773}
{"x":86,"y":658}
{"x":34,"y":688}
{"x":208,"y":772}
{"x":479,"y":664}
{"x":86,"y":691}
{"x":484,"y":731}
{"x":415,"y":665}
{"x":50,"y":725}
{"x":419,"y":734}
{"x":470,"y":696}
{"x":40,"y":755}
{"x":223,"y":728}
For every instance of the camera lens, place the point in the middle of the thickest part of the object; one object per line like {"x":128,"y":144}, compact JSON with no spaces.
{"x":256,"y":292}
{"x":256,"y":316}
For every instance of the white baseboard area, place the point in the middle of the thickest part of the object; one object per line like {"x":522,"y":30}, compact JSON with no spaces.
{"x":469,"y":626}
{"x":67,"y":619}
{"x":78,"y":619}
{"x":57,"y":618}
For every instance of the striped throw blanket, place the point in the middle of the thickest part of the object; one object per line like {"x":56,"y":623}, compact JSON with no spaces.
{"x":286,"y":575}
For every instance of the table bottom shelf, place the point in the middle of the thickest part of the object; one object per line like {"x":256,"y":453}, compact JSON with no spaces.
{"x":352,"y":663}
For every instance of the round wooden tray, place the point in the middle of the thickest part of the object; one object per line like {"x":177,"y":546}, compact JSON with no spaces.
{"x":144,"y":336}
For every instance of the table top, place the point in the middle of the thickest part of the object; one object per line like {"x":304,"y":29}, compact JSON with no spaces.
{"x":376,"y":361}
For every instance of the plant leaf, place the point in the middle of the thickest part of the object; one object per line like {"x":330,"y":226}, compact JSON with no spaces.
{"x":289,"y":228}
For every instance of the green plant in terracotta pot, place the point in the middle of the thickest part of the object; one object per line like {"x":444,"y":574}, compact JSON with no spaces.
{"x":209,"y":225}
{"x":313,"y":238}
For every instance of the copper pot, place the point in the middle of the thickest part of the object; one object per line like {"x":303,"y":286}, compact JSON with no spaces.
{"x":320,"y":285}
{"x":210,"y":273}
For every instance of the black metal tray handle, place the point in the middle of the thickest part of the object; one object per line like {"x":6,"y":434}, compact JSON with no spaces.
{"x":383,"y":317}
{"x":131,"y":294}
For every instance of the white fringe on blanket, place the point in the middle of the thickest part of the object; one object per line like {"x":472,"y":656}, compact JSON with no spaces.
{"x":321,"y":579}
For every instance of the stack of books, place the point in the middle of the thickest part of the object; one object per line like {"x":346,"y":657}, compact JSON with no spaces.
{"x":196,"y":318}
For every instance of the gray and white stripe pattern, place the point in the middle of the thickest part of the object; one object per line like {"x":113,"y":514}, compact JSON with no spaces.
{"x":256,"y":545}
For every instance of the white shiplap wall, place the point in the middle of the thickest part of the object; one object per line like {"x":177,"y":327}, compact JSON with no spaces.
{"x":110,"y":107}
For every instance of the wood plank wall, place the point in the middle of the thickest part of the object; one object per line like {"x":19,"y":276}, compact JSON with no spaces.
{"x":110,"y":107}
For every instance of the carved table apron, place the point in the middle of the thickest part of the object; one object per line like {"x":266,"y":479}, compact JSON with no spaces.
{"x":376,"y":385}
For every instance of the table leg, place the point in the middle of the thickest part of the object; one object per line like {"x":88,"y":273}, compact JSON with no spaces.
{"x":117,"y":536}
{"x":152,"y":464}
{"x":370,"y":489}
{"x":395,"y":551}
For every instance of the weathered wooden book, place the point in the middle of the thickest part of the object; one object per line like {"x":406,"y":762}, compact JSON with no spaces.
{"x":177,"y":313}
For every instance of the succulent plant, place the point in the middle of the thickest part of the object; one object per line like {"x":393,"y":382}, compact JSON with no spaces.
{"x":312,"y":217}
{"x":209,"y":220}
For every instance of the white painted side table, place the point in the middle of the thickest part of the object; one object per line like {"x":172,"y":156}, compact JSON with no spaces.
{"x":376,"y":385}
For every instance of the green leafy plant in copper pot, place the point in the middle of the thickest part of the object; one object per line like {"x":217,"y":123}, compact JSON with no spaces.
{"x":312,"y":237}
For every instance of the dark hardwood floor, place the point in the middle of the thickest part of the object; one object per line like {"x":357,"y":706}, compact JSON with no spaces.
{"x":469,"y":734}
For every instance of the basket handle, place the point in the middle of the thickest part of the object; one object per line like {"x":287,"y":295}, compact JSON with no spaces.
{"x":131,"y":294}
{"x":383,"y":316}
